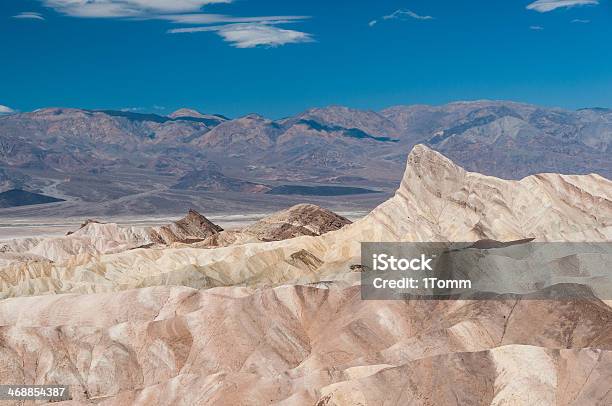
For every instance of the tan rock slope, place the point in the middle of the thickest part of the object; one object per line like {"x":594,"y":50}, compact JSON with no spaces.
{"x":296,"y":221}
{"x":283,"y":322}
{"x":440,"y":201}
{"x":436,"y":201}
{"x":193,"y":227}
{"x":305,"y":344}
{"x":299,"y":220}
{"x":95,"y":238}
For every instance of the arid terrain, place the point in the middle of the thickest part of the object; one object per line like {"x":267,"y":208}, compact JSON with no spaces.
{"x":117,"y":163}
{"x":305,"y":203}
{"x":186,"y":312}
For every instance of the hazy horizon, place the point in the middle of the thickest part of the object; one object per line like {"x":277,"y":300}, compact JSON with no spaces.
{"x":166,"y":112}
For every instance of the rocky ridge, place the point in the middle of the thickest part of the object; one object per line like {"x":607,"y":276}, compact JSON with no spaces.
{"x":283,"y":322}
{"x":299,"y":220}
{"x":436,"y":201}
{"x":307,"y":345}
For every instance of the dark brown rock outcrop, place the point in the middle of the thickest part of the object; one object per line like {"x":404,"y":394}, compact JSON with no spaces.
{"x":193,"y":227}
{"x":298,"y":220}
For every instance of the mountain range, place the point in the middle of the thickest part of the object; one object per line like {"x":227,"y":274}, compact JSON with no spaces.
{"x":113,"y":162}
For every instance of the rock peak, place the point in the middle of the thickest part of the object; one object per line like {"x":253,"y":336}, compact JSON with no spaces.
{"x":253,"y":116}
{"x":420,"y":150}
{"x":423,"y":160}
{"x":193,"y":227}
{"x":298,"y":220}
{"x":185,"y":112}
{"x":195,"y":221}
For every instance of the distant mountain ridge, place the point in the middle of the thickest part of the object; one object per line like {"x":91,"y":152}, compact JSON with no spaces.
{"x":504,"y":139}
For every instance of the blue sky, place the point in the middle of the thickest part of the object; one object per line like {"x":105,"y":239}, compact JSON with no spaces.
{"x":279,"y":57}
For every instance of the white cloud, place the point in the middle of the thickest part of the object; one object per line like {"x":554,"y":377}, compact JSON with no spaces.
{"x":29,"y":15}
{"x":406,"y":13}
{"x":240,"y":32}
{"x":251,"y":35}
{"x":402,"y":14}
{"x":199,"y":18}
{"x":536,"y":28}
{"x":544,"y":6}
{"x":126,"y":8}
{"x":579,"y":21}
{"x":6,"y":110}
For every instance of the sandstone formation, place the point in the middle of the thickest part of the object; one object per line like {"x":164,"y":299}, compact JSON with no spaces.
{"x":296,"y":221}
{"x":299,"y":220}
{"x":436,"y":201}
{"x":193,"y":227}
{"x":95,"y":238}
{"x":283,"y":322}
{"x":307,"y":345}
